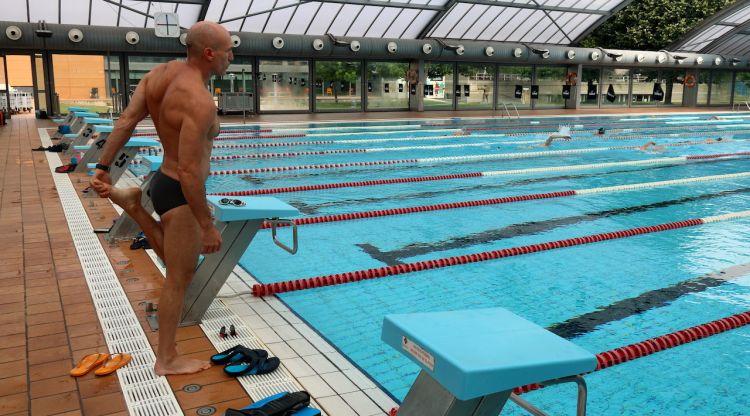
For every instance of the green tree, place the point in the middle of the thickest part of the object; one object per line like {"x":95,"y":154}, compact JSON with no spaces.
{"x":652,"y":24}
{"x":336,"y":73}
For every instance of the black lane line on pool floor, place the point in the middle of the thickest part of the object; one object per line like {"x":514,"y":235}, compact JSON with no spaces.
{"x":657,"y":298}
{"x":393,"y":257}
{"x":313,"y":209}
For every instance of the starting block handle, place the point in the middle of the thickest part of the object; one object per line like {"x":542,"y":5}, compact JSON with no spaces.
{"x":581,"y":403}
{"x":275,"y":222}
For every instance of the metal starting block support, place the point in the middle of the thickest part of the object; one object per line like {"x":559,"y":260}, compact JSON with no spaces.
{"x":125,"y":227}
{"x":238,"y":225}
{"x":103,"y":126}
{"x":472,"y":359}
{"x":72,"y":124}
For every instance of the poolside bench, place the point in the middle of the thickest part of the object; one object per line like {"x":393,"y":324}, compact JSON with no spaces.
{"x":125,"y":227}
{"x":472,"y":359}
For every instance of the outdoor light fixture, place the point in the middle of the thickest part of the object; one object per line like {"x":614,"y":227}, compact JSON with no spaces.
{"x":570,"y":54}
{"x":616,"y":56}
{"x":734,"y":61}
{"x":544,"y":53}
{"x":459,"y":49}
{"x":639,"y":57}
{"x":717,"y":60}
{"x":517,"y":52}
{"x":699,"y":60}
{"x":595,"y":55}
{"x":677,"y":58}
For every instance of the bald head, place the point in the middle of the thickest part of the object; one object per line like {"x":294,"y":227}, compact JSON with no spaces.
{"x":205,"y":34}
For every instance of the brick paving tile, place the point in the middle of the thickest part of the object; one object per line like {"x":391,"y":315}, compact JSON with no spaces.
{"x":104,"y":404}
{"x":14,"y":404}
{"x":56,"y":403}
{"x":51,"y":386}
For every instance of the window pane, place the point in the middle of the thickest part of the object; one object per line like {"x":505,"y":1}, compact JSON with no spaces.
{"x":509,"y":78}
{"x":589,"y":93}
{"x":618,"y":79}
{"x":741,"y":90}
{"x":386,"y":85}
{"x":283,"y":85}
{"x":703,"y":78}
{"x":550,"y":80}
{"x":672,"y":79}
{"x":475,"y":86}
{"x":234,"y":91}
{"x":721,"y":87}
{"x":643,"y":87}
{"x":439,"y":94}
{"x":80,"y":81}
{"x":337,"y":86}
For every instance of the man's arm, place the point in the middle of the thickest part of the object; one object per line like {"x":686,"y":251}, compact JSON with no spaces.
{"x":134,"y":113}
{"x":125,"y":125}
{"x":192,"y":162}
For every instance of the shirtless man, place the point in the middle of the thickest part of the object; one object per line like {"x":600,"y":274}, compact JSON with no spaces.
{"x":183,"y":111}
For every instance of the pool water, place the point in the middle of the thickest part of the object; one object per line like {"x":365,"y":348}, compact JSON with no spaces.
{"x":636,"y":284}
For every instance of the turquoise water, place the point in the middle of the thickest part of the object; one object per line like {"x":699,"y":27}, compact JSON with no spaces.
{"x":548,"y":288}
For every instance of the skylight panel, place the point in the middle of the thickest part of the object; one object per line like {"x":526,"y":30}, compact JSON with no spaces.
{"x":344,"y":19}
{"x":482,"y":23}
{"x":302,"y":17}
{"x":383,"y":21}
{"x":103,"y":14}
{"x":510,"y":32}
{"x":364,"y":19}
{"x":326,"y":15}
{"x":586,"y":21}
{"x":214,"y":10}
{"x":450,"y":20}
{"x":132,"y":19}
{"x":422,"y":20}
{"x":39,"y":9}
{"x":74,"y":12}
{"x":405,"y":19}
{"x":471,"y":19}
{"x":279,"y":19}
{"x":255,"y":23}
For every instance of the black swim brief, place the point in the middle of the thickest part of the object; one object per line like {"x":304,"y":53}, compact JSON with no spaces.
{"x":166,"y":193}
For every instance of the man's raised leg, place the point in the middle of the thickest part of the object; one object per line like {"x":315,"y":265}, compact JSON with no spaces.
{"x":129,"y":199}
{"x":182,"y":245}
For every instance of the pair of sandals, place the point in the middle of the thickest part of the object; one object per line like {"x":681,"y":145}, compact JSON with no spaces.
{"x":240,"y":360}
{"x":70,"y":167}
{"x":282,"y":404}
{"x":107,"y":364}
{"x":57,"y":148}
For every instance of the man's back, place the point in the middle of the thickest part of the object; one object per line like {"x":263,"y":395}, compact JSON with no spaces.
{"x":173,"y":93}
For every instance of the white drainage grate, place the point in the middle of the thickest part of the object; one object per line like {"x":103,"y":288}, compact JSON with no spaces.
{"x":146,"y":394}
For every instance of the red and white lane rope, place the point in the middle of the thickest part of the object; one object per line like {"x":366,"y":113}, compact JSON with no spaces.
{"x":348,"y":277}
{"x":492,"y":156}
{"x":272,"y":136}
{"x":508,"y":199}
{"x":303,"y":188}
{"x":340,"y":151}
{"x":650,"y":346}
{"x":153,"y":133}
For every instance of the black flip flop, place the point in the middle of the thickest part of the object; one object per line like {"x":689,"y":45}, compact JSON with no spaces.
{"x":252,"y":365}
{"x":235,"y":353}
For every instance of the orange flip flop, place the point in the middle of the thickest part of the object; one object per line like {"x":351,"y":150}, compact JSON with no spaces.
{"x":87,"y":364}
{"x":115,"y":361}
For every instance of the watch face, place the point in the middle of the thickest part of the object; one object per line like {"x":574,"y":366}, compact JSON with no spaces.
{"x":166,"y":25}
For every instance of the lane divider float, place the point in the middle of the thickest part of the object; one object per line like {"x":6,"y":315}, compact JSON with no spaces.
{"x":504,"y":200}
{"x":376,"y":182}
{"x":380,"y":272}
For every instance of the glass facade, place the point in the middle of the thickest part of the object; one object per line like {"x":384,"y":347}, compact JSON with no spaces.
{"x":614,"y":91}
{"x":590,"y":86}
{"x":742,"y":87}
{"x":721,"y":88}
{"x":673,"y":84}
{"x":475,"y":87}
{"x":387,"y":87}
{"x":338,"y":86}
{"x":90,"y":81}
{"x":438,"y":94}
{"x":283,"y":85}
{"x":550,"y":80}
{"x":512,"y":79}
{"x":703,"y":85}
{"x":644,"y":80}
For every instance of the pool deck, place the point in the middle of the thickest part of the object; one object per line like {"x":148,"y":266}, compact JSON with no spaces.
{"x":48,"y":320}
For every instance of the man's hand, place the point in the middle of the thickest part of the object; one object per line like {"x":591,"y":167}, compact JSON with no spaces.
{"x":211,"y":242}
{"x":102,"y":183}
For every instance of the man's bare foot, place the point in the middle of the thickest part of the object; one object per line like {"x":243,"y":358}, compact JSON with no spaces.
{"x":181,"y":365}
{"x":127,"y":198}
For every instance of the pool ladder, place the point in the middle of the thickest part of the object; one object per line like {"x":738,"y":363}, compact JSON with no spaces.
{"x":737,"y":106}
{"x":507,"y":112}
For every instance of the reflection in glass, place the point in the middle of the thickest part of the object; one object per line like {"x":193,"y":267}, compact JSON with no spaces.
{"x":439,"y":92}
{"x":283,"y":85}
{"x":40,"y":82}
{"x":234,"y":91}
{"x":337,"y":85}
{"x":742,"y":87}
{"x":672,"y":82}
{"x":386,"y":85}
{"x":550,"y":80}
{"x":704,"y":77}
{"x":138,"y":67}
{"x":475,"y":87}
{"x":643,"y":86}
{"x":721,"y":87}
{"x":4,"y":98}
{"x":590,"y":88}
{"x":617,"y":79}
{"x":508,"y":78}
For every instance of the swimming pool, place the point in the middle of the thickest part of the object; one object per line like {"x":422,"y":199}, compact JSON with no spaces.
{"x":601,"y":296}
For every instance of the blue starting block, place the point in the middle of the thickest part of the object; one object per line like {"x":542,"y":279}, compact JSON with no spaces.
{"x":73,"y":123}
{"x":123,"y":158}
{"x":84,"y":109}
{"x":103,"y":126}
{"x":472,"y":359}
{"x":125,"y":228}
{"x":238,"y":226}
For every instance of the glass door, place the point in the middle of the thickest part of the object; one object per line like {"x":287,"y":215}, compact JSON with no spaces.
{"x":4,"y":97}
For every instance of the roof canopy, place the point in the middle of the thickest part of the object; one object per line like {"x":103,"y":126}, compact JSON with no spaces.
{"x":562,"y":22}
{"x":726,"y":33}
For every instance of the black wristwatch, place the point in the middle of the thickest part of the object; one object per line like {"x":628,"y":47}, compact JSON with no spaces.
{"x":102,"y":167}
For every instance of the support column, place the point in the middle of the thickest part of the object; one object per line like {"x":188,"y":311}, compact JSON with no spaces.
{"x":416,"y":101}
